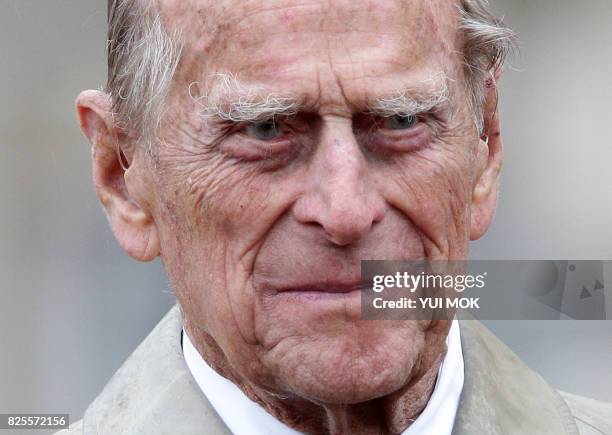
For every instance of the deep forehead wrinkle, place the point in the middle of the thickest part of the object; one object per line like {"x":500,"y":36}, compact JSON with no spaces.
{"x":210,"y":27}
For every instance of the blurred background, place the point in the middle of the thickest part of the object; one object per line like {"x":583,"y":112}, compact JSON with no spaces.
{"x":73,"y":306}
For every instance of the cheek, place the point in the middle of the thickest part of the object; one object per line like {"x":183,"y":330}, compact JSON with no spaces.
{"x":431,"y":187}
{"x":213,"y":224}
{"x":213,"y":291}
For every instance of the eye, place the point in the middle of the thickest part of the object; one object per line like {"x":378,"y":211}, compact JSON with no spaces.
{"x":264,"y":130}
{"x":401,"y":122}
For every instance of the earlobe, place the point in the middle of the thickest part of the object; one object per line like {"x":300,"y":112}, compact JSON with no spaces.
{"x":135,"y":231}
{"x":489,"y":161}
{"x":132,"y":225}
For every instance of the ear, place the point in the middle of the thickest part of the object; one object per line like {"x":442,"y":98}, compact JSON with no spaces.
{"x":489,"y":161}
{"x":132,"y":224}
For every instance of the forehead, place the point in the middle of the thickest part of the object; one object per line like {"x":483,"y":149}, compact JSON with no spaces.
{"x":300,"y":44}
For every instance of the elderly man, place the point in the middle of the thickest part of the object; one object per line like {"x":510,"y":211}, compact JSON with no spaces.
{"x":262,"y":149}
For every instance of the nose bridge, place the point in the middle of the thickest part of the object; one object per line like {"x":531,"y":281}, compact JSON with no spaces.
{"x":340,"y":201}
{"x":341,"y":170}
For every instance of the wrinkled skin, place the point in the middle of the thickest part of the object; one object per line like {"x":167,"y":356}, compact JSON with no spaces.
{"x":237,"y":221}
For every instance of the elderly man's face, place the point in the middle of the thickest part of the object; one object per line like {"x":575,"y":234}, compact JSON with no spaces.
{"x":262,"y":224}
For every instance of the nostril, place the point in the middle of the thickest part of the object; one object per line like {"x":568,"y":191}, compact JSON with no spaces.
{"x":343,"y":228}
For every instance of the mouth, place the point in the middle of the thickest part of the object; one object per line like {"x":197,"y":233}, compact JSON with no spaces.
{"x":332,"y":290}
{"x":318,"y":299}
{"x":326,"y":287}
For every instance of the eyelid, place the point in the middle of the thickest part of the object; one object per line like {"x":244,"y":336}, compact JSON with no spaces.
{"x":277,"y":121}
{"x":417,"y":121}
{"x":229,"y":127}
{"x":408,"y":140}
{"x":231,"y":124}
{"x":375,"y":136}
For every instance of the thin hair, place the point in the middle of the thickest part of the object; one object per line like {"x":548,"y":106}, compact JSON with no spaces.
{"x":487,"y":42}
{"x":142,"y":60}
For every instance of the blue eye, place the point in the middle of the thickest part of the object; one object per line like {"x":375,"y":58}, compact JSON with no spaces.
{"x":401,"y":122}
{"x":264,"y":130}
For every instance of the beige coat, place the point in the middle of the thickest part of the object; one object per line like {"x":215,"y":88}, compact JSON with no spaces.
{"x":154,"y":393}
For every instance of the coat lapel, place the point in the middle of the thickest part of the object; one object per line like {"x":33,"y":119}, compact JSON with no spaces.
{"x":501,"y":395}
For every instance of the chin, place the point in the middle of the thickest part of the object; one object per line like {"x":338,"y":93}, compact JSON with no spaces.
{"x":367,"y":361}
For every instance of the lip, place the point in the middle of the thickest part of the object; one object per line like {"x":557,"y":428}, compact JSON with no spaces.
{"x":338,"y":297}
{"x":325,"y":287}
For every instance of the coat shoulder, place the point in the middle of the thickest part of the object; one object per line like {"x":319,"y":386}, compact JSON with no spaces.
{"x":153,"y":392}
{"x":592,"y":416}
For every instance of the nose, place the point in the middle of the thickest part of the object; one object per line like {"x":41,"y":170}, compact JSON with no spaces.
{"x":339,"y":197}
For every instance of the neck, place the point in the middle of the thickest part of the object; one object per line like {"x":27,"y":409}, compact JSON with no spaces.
{"x":391,"y":414}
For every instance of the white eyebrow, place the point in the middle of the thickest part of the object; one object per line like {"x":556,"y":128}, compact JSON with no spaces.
{"x":231,"y":100}
{"x":431,"y":94}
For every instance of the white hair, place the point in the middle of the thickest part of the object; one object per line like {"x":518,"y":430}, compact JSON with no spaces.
{"x":487,"y":41}
{"x":143,"y":57}
{"x":142,"y":60}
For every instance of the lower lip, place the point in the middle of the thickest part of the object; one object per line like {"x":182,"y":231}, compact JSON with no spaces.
{"x":304,"y":295}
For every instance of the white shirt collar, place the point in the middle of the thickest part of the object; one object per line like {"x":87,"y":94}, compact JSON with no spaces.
{"x":245,"y":417}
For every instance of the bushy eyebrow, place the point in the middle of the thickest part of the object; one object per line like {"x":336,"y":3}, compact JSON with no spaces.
{"x":430,"y":94}
{"x":230,"y":100}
